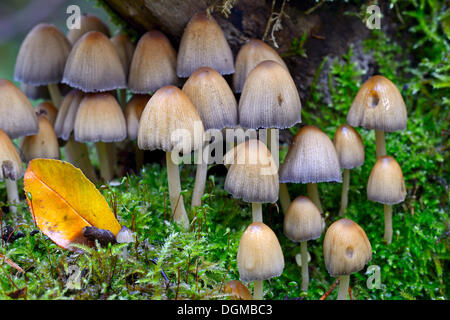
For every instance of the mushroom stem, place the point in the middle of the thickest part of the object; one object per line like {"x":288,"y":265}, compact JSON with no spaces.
{"x":257,"y":212}
{"x":305,"y":274}
{"x":176,"y":199}
{"x":112,"y":156}
{"x":285,"y":199}
{"x":343,"y":287}
{"x":344,"y":196}
{"x":139,"y":158}
{"x":106,"y":171}
{"x":12,"y":194}
{"x":313,"y":194}
{"x":380,"y":142}
{"x":258,"y":290}
{"x":78,"y":154}
{"x":388,"y":223}
{"x":200,"y":180}
{"x":55,"y":94}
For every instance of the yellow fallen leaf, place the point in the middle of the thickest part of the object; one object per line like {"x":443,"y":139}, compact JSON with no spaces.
{"x":63,"y":201}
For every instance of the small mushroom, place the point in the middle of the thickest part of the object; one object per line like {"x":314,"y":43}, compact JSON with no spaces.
{"x":346,"y":250}
{"x":125,"y":235}
{"x":386,"y":185}
{"x":88,"y":23}
{"x":48,"y":110}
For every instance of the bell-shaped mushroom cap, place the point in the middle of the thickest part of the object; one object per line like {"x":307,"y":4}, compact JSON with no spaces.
{"x":170,"y":121}
{"x":65,"y":119}
{"x":252,"y":175}
{"x":302,"y":221}
{"x":237,"y":290}
{"x":42,"y":145}
{"x":153,"y":65}
{"x":125,"y":235}
{"x":42,"y":56}
{"x":203,"y":44}
{"x":378,"y":105}
{"x":259,"y":255}
{"x":10,"y":163}
{"x":269,"y":98}
{"x":94,"y":65}
{"x":18,"y":117}
{"x":346,"y":248}
{"x":133,"y":112}
{"x":48,"y":110}
{"x":125,"y":49}
{"x":349,"y":147}
{"x":311,"y":158}
{"x":250,"y":55}
{"x":386,"y":183}
{"x":213,"y":97}
{"x":100,"y":118}
{"x":35,"y":92}
{"x":88,"y":23}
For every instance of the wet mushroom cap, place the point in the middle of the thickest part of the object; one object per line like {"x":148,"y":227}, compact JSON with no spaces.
{"x":153,"y":64}
{"x":88,"y":23}
{"x":378,"y":105}
{"x":133,"y":112}
{"x":65,"y":119}
{"x":94,"y":65}
{"x":203,"y":44}
{"x":269,"y":98}
{"x":386,"y":183}
{"x":18,"y":118}
{"x":125,"y":49}
{"x":249,"y":56}
{"x":42,"y":56}
{"x":349,"y":147}
{"x":100,"y":118}
{"x":213,"y":98}
{"x":252,"y":175}
{"x":48,"y":110}
{"x":302,"y":221}
{"x":170,"y":121}
{"x":259,"y":255}
{"x":311,"y":158}
{"x":346,"y":248}
{"x":10,"y":163}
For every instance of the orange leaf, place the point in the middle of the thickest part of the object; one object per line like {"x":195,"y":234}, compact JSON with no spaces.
{"x":63,"y":201}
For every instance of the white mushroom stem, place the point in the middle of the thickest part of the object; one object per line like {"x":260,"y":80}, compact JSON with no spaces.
{"x":257,"y":212}
{"x":12,"y":194}
{"x":313,"y":194}
{"x":176,"y":199}
{"x":106,"y":170}
{"x":55,"y":94}
{"x":200,"y":180}
{"x":388,"y":223}
{"x":78,"y":154}
{"x":285,"y":199}
{"x":305,"y":273}
{"x":258,"y":290}
{"x":112,"y":156}
{"x":380,"y":142}
{"x":343,"y":287}
{"x":344,"y":195}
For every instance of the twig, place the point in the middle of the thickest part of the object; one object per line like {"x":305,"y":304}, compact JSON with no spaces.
{"x":311,"y":10}
{"x":350,"y":293}
{"x":330,"y":290}
{"x":12,"y":264}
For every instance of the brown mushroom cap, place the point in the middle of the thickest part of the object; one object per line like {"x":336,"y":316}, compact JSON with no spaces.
{"x":250,"y":55}
{"x":302,"y":221}
{"x":311,"y":158}
{"x":65,"y":119}
{"x":259,"y":255}
{"x":48,"y":110}
{"x":378,"y":105}
{"x":386,"y":183}
{"x":169,"y":111}
{"x":238,"y":290}
{"x":42,"y":56}
{"x":153,"y":65}
{"x":100,"y":118}
{"x":252,"y":175}
{"x":125,"y":49}
{"x":346,"y":248}
{"x":94,"y":65}
{"x":269,"y":98}
{"x":203,"y":44}
{"x":349,"y":147}
{"x":213,"y":98}
{"x":18,"y":117}
{"x":42,"y":145}
{"x":10,"y":163}
{"x":88,"y":23}
{"x":133,"y":112}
